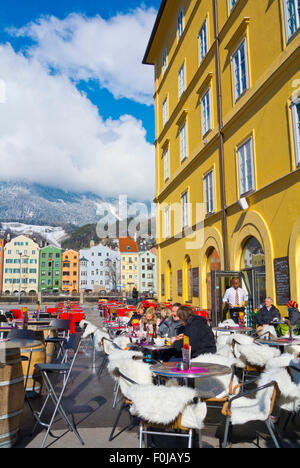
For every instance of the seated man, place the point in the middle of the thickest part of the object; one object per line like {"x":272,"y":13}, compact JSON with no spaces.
{"x":172,"y":326}
{"x":201,"y":337}
{"x":268,"y":314}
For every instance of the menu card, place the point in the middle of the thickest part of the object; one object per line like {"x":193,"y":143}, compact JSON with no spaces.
{"x":186,"y":352}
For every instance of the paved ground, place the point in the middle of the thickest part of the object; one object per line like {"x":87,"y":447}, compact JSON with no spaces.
{"x":90,"y":399}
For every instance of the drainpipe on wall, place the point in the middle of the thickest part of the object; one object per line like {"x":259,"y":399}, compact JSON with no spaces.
{"x":220,"y":116}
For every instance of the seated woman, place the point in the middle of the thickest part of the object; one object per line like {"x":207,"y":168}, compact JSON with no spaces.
{"x":201,"y":337}
{"x":137,"y":315}
{"x":149,"y":321}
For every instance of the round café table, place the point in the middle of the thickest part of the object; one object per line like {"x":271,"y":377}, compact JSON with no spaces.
{"x":280,"y":343}
{"x":199,"y":370}
{"x":232,"y":330}
{"x":16,"y":343}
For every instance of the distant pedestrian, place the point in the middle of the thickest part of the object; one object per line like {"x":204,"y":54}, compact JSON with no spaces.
{"x":135,"y":295}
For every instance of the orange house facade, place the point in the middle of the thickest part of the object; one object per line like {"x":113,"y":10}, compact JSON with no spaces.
{"x":70,"y":272}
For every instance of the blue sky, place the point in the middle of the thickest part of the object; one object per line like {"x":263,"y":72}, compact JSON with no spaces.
{"x":17,"y":13}
{"x":76,"y":103}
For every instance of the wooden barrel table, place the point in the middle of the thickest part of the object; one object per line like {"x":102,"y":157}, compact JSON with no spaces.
{"x":11,"y":394}
{"x":34,"y":383}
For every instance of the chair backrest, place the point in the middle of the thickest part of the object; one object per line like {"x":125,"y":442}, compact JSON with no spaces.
{"x":21,"y":335}
{"x":60,"y":324}
{"x":73,"y":342}
{"x":3,"y":319}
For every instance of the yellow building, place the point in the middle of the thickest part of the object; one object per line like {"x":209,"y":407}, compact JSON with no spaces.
{"x":227,"y":103}
{"x":130,"y":264}
{"x":21,"y":266}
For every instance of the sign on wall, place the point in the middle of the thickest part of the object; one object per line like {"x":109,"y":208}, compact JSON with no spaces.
{"x":282,"y":280}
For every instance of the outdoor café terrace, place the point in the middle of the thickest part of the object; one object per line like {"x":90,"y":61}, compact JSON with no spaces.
{"x":94,"y":382}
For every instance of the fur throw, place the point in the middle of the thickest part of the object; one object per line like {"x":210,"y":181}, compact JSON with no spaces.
{"x":163,"y":405}
{"x":282,"y":361}
{"x":258,"y":409}
{"x":256,"y":355}
{"x":138,"y":371}
{"x":289,"y":397}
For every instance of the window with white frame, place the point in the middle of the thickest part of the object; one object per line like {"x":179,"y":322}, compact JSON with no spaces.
{"x":296,"y":125}
{"x":240,"y":70}
{"x":183,"y":142}
{"x":206,"y":113}
{"x":165,"y":60}
{"x":167,"y":164}
{"x":209,"y":192}
{"x":203,"y":40}
{"x":167,"y":223}
{"x":292,"y":17}
{"x":232,"y":3}
{"x":181,"y":80}
{"x":246,"y":167}
{"x":185,"y":209}
{"x":165,"y":111}
{"x":180,"y":24}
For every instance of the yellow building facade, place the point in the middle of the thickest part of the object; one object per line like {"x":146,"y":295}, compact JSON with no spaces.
{"x":227,"y":104}
{"x":21,"y":266}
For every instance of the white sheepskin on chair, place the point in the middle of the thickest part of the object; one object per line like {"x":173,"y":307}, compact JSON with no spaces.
{"x":116,"y":356}
{"x":162,"y":405}
{"x":256,"y":355}
{"x":218,"y":386}
{"x":283,"y":360}
{"x":136,"y":370}
{"x":289,"y":397}
{"x":227,"y":323}
{"x":268,"y":329}
{"x":245,"y":409}
{"x":122,"y":341}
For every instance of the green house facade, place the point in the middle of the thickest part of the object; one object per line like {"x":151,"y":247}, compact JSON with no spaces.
{"x":50,"y":269}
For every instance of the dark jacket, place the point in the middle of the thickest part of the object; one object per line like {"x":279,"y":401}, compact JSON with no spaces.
{"x":135,"y":293}
{"x":294,"y":317}
{"x":135,"y":316}
{"x":201,"y":337}
{"x":265,"y":316}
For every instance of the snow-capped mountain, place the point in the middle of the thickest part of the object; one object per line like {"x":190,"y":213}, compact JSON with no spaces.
{"x":52,"y":235}
{"x":36,"y":204}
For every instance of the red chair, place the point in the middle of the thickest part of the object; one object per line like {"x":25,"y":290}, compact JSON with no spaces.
{"x":52,"y":310}
{"x":17,"y":313}
{"x":75,"y":318}
{"x":122,"y":312}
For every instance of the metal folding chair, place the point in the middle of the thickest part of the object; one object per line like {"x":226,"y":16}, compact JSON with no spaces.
{"x":64,"y":328}
{"x":125,"y":405}
{"x":226,"y":411}
{"x":65,"y":369}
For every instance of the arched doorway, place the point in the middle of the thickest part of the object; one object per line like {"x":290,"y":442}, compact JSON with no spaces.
{"x":254,"y":271}
{"x":213,"y":264}
{"x":169,"y":282}
{"x":187,"y":280}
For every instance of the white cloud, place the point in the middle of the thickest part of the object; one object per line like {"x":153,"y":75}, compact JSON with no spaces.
{"x":109,"y":51}
{"x":52,"y":134}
